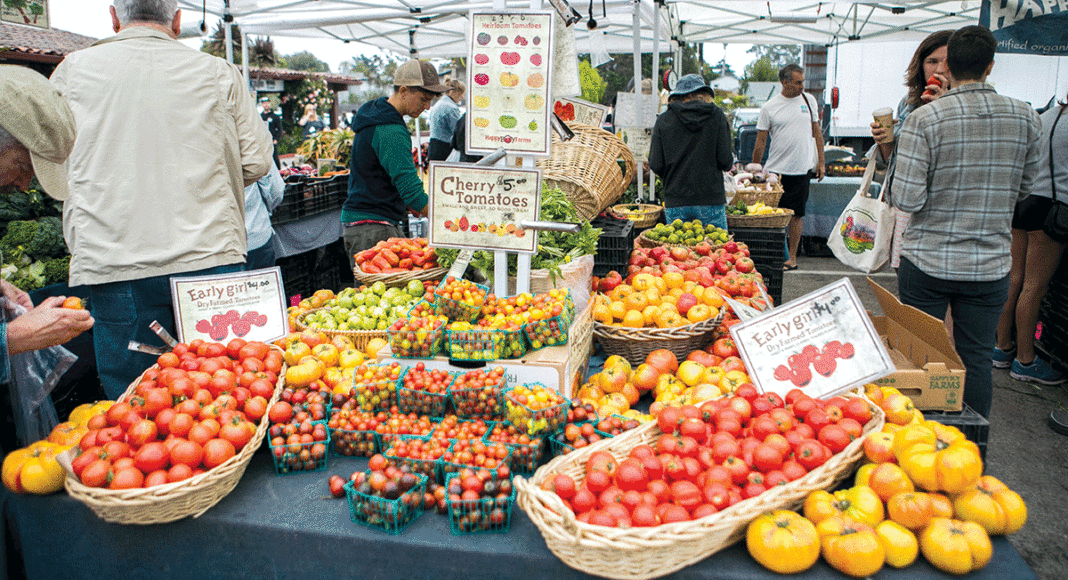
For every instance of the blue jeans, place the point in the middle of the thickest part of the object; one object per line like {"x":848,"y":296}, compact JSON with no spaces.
{"x":708,"y":214}
{"x":260,"y":258}
{"x":976,"y":309}
{"x":123,"y":311}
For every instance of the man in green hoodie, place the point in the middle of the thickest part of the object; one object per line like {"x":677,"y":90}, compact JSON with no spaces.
{"x":690,"y":150}
{"x":383,"y":181}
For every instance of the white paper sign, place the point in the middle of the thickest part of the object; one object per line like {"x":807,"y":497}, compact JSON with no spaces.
{"x":248,"y":305}
{"x":482,"y":207}
{"x":580,"y":111}
{"x":822,"y":343}
{"x":637,"y":139}
{"x":636,"y":110}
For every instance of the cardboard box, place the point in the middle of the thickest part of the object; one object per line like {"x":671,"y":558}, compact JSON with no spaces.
{"x":559,"y":367}
{"x":928,"y":368}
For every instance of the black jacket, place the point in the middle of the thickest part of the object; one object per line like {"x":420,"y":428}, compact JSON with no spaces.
{"x":691,"y":147}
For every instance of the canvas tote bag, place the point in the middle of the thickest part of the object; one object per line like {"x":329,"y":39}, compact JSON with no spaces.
{"x":861,"y":237}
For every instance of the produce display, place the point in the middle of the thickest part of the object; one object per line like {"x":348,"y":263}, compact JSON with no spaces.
{"x":754,"y":177}
{"x":535,"y":408}
{"x":418,"y":336}
{"x":388,"y":499}
{"x":397,"y":255}
{"x":459,"y":300}
{"x":188,"y":414}
{"x":31,"y":240}
{"x":477,"y":393}
{"x":689,"y":233}
{"x":424,"y":392}
{"x":352,"y":432}
{"x":479,"y":503}
{"x":366,"y":308}
{"x":758,"y":208}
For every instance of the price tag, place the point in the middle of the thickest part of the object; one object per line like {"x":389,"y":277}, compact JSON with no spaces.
{"x":221,"y":307}
{"x":509,"y":76}
{"x":580,"y":111}
{"x":482,"y":208}
{"x":822,"y":343}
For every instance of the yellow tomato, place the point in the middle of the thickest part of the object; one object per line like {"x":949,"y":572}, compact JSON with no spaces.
{"x":783,"y":541}
{"x":858,"y":503}
{"x":899,"y":543}
{"x":34,"y":469}
{"x":938,"y":457}
{"x":993,"y":505}
{"x":326,"y":352}
{"x":955,"y":546}
{"x":912,"y":509}
{"x":69,"y":433}
{"x":851,"y":547}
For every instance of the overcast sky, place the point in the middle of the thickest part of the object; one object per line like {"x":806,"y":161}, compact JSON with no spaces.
{"x":91,"y":18}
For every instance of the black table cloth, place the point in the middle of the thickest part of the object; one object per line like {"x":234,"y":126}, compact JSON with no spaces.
{"x":274,"y":526}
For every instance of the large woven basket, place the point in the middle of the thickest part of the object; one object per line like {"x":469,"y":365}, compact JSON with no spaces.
{"x":643,"y":553}
{"x":172,"y":501}
{"x":644,"y":215}
{"x":399,"y":278}
{"x":768,"y":220}
{"x":752,"y":196}
{"x":586,"y":168}
{"x":359,"y":338}
{"x":635,"y":344}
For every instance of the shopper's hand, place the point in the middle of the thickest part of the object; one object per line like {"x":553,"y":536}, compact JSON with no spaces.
{"x":16,"y":295}
{"x":47,"y":325}
{"x":879,"y":133}
{"x":821,"y":170}
{"x":933,"y":92}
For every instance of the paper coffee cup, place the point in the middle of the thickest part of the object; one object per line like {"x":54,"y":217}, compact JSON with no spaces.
{"x":885,"y":117}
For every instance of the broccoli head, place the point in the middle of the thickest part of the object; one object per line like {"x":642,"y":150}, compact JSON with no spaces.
{"x":19,"y":233}
{"x":47,"y":240}
{"x":57,"y":270}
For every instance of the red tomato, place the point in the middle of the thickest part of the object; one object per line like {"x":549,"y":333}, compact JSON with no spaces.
{"x":255,"y":408}
{"x":809,"y":453}
{"x":715,"y":494}
{"x":644,"y":516}
{"x":187,"y":453}
{"x":686,"y":494}
{"x":793,"y":470}
{"x":84,"y":458}
{"x":724,"y":347}
{"x":158,"y":477}
{"x":144,"y":431}
{"x":583,"y":501}
{"x":127,"y":478}
{"x":181,"y":424}
{"x":694,"y":428}
{"x":156,"y":400}
{"x":116,"y":450}
{"x":261,"y":387}
{"x":178,"y":472}
{"x":763,"y":426}
{"x":597,"y":481}
{"x":817,"y":419}
{"x":237,"y":432}
{"x":852,"y":427}
{"x":602,"y":461}
{"x":281,"y":412}
{"x":217,"y":451}
{"x":767,"y":457}
{"x":233,"y":348}
{"x":151,"y":457}
{"x":116,"y":412}
{"x":857,"y":409}
{"x":97,"y":473}
{"x":631,"y":475}
{"x":737,"y":468}
{"x":835,"y":437}
{"x":668,"y":419}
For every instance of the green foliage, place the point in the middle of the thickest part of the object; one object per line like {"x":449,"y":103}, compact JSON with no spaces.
{"x":367,"y":96}
{"x":779,"y":55}
{"x":593,"y":86}
{"x":305,"y":61}
{"x":19,"y":235}
{"x":15,"y":205}
{"x":377,"y":69}
{"x":618,"y":73}
{"x":47,"y":240}
{"x":57,"y":270}
{"x":760,"y":70}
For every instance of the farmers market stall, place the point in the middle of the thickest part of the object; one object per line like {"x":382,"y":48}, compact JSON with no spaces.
{"x":282,"y":527}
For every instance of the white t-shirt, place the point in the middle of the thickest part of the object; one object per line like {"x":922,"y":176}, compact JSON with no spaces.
{"x":789,"y":126}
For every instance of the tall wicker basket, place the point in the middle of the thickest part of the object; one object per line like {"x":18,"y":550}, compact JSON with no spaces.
{"x":586,"y":168}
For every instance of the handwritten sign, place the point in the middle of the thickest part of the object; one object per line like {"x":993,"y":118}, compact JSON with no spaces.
{"x":637,"y":139}
{"x":482,"y":207}
{"x":580,"y":111}
{"x":248,"y":305}
{"x":822,"y":343}
{"x":636,"y":110}
{"x":509,"y":76}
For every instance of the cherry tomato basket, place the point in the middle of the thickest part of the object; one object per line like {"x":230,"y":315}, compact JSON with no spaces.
{"x":525,"y":456}
{"x":353,"y":443}
{"x":484,"y":515}
{"x":439,"y":432}
{"x":431,"y":468}
{"x":450,"y":467}
{"x":558,"y":445}
{"x":547,"y":332}
{"x":301,"y":457}
{"x":477,"y":344}
{"x":480,"y":402}
{"x":389,"y":515}
{"x":456,"y":310}
{"x":423,"y":343}
{"x":535,"y":421}
{"x":378,"y":395}
{"x":513,"y":343}
{"x":385,"y":439}
{"x":422,"y":402}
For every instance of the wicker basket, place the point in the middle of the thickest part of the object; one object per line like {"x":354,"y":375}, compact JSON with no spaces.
{"x":635,"y":344}
{"x":399,"y":278}
{"x":172,"y":501}
{"x":642,"y":553}
{"x":643,"y":215}
{"x":768,"y":220}
{"x":586,"y":168}
{"x":752,"y":196}
{"x":359,"y":338}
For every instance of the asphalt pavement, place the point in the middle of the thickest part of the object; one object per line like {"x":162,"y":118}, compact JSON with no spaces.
{"x":1022,"y":451}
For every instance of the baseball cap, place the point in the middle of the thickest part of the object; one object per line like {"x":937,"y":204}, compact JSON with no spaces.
{"x":418,"y":73}
{"x":689,"y":84}
{"x":265,"y":99}
{"x":36,"y":115}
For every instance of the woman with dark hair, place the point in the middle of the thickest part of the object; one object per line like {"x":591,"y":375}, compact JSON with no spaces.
{"x":1034,"y":258}
{"x":928,"y":61}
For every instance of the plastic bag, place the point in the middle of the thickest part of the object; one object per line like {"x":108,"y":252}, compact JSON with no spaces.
{"x":34,"y":374}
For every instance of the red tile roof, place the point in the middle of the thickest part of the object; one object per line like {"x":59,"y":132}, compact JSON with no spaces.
{"x":40,"y":41}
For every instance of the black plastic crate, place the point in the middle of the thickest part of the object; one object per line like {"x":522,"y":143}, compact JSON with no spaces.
{"x":972,"y":424}
{"x":773,"y":277}
{"x":615,"y":234}
{"x":305,"y":197}
{"x":767,"y":246}
{"x":297,"y":273}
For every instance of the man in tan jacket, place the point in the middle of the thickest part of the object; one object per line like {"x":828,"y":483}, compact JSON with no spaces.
{"x":168,"y":138}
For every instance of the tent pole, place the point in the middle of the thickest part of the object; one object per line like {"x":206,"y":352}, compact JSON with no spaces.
{"x":637,"y":32}
{"x":244,"y":58}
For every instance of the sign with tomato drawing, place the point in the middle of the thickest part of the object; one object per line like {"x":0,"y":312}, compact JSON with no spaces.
{"x":637,"y":139}
{"x":509,"y":76}
{"x":580,"y":111}
{"x":822,"y":343}
{"x":481,"y":208}
{"x":248,"y":305}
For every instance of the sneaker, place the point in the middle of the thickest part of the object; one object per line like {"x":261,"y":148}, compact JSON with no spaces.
{"x":1038,"y":371}
{"x":1003,"y":358}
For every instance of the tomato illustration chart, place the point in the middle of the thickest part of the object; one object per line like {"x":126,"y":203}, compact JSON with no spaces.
{"x":510,"y":82}
{"x":248,"y":305}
